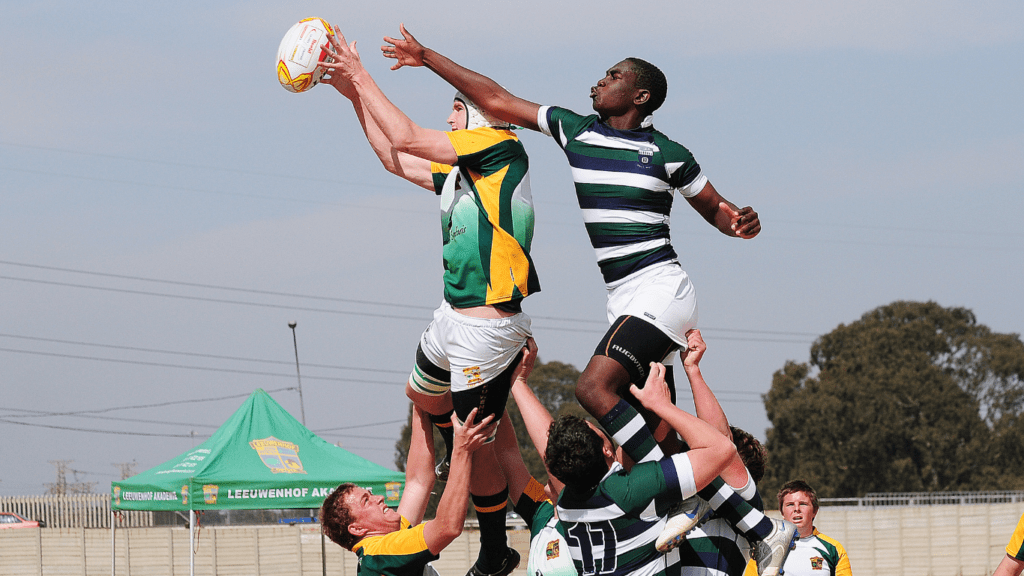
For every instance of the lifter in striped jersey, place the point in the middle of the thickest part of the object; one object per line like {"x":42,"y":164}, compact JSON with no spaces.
{"x":611,"y":517}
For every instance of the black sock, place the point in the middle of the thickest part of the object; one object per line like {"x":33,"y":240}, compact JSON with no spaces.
{"x":490,"y":512}
{"x":443,"y":423}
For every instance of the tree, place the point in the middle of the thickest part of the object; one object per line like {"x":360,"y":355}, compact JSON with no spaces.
{"x":911,"y":397}
{"x":553,"y":383}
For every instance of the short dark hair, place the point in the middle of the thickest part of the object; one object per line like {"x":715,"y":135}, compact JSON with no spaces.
{"x":751,"y":451}
{"x":799,"y":486}
{"x":650,"y":78}
{"x":335,"y":517}
{"x":575,"y":453}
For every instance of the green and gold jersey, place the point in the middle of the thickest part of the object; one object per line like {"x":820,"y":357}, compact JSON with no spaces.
{"x":1016,"y":546}
{"x":486,"y":219}
{"x":817,"y":555}
{"x":403,"y":552}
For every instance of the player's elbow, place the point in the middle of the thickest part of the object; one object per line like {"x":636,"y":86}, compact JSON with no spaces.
{"x":725,"y":451}
{"x":450,"y":531}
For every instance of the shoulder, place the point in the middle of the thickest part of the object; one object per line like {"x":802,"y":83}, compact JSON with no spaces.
{"x":556,"y":121}
{"x":468,"y":142}
{"x":830,"y":541}
{"x":402,"y":542}
{"x":670,"y":147}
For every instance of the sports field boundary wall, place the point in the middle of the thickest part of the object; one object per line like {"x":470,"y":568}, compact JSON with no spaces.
{"x":946,"y":540}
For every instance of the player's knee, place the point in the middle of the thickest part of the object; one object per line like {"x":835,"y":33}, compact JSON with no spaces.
{"x":594,"y":392}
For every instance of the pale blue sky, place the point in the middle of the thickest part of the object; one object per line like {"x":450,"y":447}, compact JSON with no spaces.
{"x":882,"y":145}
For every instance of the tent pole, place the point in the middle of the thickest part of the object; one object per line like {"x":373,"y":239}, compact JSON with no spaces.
{"x":191,"y":542}
{"x":113,"y":549}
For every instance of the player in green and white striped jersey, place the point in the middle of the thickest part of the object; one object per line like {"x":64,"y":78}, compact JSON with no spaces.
{"x":612,"y":517}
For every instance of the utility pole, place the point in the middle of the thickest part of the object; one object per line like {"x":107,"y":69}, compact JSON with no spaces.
{"x":295,"y":341}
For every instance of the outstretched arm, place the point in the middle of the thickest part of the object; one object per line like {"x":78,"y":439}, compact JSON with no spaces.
{"x":535,"y":416}
{"x":710,"y":451}
{"x":704,"y":401}
{"x":707,"y":406}
{"x":724,"y":215}
{"x":483,"y":91}
{"x":419,"y":469}
{"x":404,"y":134}
{"x":451,"y":510}
{"x":412,"y":168}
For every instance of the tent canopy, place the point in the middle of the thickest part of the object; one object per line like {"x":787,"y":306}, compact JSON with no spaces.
{"x":261,"y":458}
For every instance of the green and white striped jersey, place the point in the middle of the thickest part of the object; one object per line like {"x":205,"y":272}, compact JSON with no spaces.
{"x":612,"y":530}
{"x":624,"y":184}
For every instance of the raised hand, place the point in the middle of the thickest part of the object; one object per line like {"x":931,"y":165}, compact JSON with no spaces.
{"x":407,"y":51}
{"x":655,"y":390}
{"x":469,"y":436}
{"x":694,"y":350}
{"x":345,"y":58}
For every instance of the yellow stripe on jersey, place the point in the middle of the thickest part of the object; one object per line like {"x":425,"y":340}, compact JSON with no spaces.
{"x":403,"y":541}
{"x":513,"y":270}
{"x":467,"y":142}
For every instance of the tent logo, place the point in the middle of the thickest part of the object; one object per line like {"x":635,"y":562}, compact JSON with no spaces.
{"x":392,"y":491}
{"x":278,"y":455}
{"x":210,"y":493}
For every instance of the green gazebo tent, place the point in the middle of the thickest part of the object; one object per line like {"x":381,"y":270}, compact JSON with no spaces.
{"x":261,"y":458}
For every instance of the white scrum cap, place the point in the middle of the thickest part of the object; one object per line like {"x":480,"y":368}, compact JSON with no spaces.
{"x":476,"y":117}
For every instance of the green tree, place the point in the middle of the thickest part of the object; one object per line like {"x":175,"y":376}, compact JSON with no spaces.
{"x":911,"y":397}
{"x":553,"y":383}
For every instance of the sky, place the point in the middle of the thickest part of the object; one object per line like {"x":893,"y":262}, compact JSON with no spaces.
{"x":166,"y":208}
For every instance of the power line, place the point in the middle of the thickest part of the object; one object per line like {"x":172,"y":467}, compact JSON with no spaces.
{"x":213,"y":286}
{"x":195,"y":354}
{"x":156,"y":405}
{"x":199,"y":368}
{"x":207,"y":299}
{"x":601,"y":323}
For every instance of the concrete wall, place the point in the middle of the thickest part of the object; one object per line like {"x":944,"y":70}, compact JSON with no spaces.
{"x":951,"y":540}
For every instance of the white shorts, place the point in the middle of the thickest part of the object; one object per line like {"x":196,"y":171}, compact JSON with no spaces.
{"x":472,"y":350}
{"x":661,"y":295}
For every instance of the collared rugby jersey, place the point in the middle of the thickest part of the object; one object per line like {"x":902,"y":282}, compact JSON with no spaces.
{"x":403,"y":552}
{"x":817,"y":555}
{"x":612,"y":531}
{"x":624,"y":184}
{"x":486,"y":219}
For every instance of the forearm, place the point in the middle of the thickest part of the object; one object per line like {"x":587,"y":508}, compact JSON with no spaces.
{"x":483,"y":91}
{"x":413,"y":169}
{"x":705,"y":403}
{"x":696,"y":432}
{"x":1009,"y":567}
{"x":419,"y":469}
{"x":451,"y":510}
{"x":537,"y":420}
{"x":398,"y":129}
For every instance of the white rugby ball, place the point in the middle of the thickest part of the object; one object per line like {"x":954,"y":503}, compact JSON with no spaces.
{"x":300,"y":52}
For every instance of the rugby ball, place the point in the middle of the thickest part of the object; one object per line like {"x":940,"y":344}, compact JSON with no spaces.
{"x":300,"y":53}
